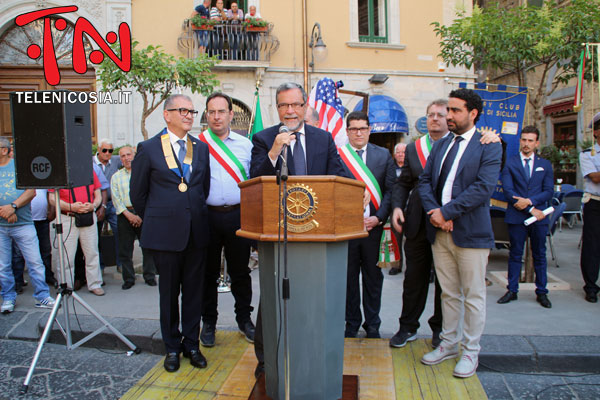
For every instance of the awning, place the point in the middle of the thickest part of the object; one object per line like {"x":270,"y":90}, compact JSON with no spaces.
{"x":559,"y":108}
{"x":386,"y":115}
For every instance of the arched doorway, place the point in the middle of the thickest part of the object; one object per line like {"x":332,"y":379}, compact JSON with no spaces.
{"x":18,"y":72}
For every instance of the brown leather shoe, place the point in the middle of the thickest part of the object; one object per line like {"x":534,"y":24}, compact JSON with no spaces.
{"x":98,"y":292}
{"x":78,"y":284}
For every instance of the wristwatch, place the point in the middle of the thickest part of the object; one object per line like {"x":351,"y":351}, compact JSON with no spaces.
{"x":14,"y":206}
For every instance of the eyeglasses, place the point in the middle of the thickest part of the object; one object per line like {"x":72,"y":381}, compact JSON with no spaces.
{"x":285,"y":106}
{"x":220,"y":113}
{"x":108,"y":150}
{"x":436,"y":115}
{"x":184,"y":112}
{"x":356,"y":130}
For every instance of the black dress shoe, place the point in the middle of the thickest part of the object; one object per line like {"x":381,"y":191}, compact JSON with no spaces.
{"x":350,"y":334}
{"x":127,"y":285}
{"x":508,"y":297}
{"x":373,"y":333}
{"x":591,"y":297}
{"x":78,"y":284}
{"x":151,"y":282}
{"x":171,"y":363}
{"x":247,"y":329}
{"x":544,"y":301}
{"x":19,"y":289}
{"x":207,"y":335}
{"x":395,"y":271}
{"x":196,"y":358}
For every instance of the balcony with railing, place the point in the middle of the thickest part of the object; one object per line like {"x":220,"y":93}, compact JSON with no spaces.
{"x":236,"y":45}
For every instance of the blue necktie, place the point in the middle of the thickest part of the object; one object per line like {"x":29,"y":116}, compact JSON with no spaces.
{"x":181,"y":157}
{"x":360,"y":153}
{"x":299,"y":161}
{"x":447,"y":166}
{"x":527,"y":170}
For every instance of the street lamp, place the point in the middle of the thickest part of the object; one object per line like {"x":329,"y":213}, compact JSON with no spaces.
{"x":318,"y":48}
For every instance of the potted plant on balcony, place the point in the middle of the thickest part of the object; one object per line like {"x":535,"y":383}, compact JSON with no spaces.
{"x":255,"y":25}
{"x":202,"y":23}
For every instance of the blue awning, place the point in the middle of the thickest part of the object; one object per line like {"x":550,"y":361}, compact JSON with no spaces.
{"x":385,"y":114}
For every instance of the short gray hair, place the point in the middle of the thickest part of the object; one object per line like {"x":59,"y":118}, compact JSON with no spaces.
{"x":4,"y":142}
{"x":171,"y":99}
{"x":284,"y":87}
{"x":437,"y":102}
{"x":397,"y":145}
{"x":105,"y":141}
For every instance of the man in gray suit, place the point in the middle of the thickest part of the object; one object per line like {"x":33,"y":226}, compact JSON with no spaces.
{"x":374,"y":166}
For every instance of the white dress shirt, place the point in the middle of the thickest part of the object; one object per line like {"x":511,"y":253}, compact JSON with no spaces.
{"x":447,"y":190}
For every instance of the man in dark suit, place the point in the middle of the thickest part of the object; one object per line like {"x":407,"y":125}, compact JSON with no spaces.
{"x":319,"y":158}
{"x":455,"y":189}
{"x":527,"y":184}
{"x":170,"y":182}
{"x":374,"y":166}
{"x":408,"y":217}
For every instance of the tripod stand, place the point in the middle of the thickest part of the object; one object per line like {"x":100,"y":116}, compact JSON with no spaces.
{"x":63,"y":296}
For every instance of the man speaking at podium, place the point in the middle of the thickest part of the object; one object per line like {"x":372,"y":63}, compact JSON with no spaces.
{"x":314,"y":154}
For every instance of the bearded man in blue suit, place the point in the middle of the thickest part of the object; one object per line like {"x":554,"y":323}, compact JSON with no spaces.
{"x":527,"y":184}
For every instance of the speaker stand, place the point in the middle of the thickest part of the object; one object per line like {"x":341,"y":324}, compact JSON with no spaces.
{"x":63,"y":297}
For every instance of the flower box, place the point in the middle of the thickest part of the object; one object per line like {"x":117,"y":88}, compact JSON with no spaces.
{"x":257,"y":28}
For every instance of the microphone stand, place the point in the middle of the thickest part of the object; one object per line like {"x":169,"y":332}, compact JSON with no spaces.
{"x":282,"y":181}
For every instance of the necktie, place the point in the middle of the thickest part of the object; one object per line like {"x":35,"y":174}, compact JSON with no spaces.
{"x":360,"y":153}
{"x":181,"y":156}
{"x":299,"y":161}
{"x":447,"y":166}
{"x":527,"y":171}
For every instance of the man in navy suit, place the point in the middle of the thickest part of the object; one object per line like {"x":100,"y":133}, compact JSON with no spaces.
{"x":374,"y":166}
{"x":455,"y":189}
{"x":527,"y":184}
{"x":170,"y":181}
{"x":314,"y":154}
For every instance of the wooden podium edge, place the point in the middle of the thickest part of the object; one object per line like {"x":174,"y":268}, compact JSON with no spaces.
{"x":301,"y":238}
{"x":303,"y":178}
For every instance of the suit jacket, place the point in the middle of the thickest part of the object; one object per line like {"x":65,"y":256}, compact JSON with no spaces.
{"x":170,"y":216}
{"x":321,"y":154}
{"x":469,"y":208}
{"x":382,"y":166}
{"x":539,"y":189}
{"x":405,"y":195}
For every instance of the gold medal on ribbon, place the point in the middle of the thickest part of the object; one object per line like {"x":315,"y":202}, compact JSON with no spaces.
{"x":182,"y":186}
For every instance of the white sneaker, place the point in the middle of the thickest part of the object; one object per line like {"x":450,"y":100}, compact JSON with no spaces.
{"x":467,"y":365}
{"x":8,"y":306}
{"x":440,"y":354}
{"x":48,"y":302}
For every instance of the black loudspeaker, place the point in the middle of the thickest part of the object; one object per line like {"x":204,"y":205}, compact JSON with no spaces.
{"x":52,"y":139}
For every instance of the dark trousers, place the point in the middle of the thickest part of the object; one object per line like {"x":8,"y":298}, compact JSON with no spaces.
{"x":180,"y":272}
{"x":237,"y":254}
{"x":419,"y":263}
{"x":363,"y":255}
{"x":17,"y":265}
{"x":259,"y":345}
{"x":590,"y":246}
{"x":518,"y":234}
{"x":127,"y":236}
{"x":399,"y":237}
{"x":43,"y":233}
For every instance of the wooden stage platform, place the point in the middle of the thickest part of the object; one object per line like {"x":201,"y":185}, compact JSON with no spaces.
{"x":384,"y":373}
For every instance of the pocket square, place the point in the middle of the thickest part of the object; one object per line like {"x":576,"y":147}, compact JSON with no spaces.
{"x":539,"y":169}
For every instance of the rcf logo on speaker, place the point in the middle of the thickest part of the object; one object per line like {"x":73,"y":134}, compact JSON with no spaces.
{"x":82,"y":26}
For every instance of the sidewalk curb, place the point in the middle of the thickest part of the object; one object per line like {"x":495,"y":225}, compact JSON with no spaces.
{"x":500,"y":353}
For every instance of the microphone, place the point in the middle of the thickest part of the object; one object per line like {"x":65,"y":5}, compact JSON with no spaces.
{"x":283,"y":155}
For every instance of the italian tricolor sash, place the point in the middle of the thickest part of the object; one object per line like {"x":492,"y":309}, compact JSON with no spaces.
{"x":224,"y":156}
{"x":423,"y":145}
{"x":361,"y":172}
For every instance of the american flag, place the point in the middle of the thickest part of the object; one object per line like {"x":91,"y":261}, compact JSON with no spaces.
{"x":324,"y":98}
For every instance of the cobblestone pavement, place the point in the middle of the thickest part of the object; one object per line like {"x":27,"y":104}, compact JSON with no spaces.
{"x":505,"y":386}
{"x":83,"y":373}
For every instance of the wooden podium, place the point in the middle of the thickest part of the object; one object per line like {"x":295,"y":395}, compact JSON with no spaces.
{"x":324,"y":212}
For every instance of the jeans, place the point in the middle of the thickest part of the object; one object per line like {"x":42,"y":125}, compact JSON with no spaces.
{"x":26,"y":239}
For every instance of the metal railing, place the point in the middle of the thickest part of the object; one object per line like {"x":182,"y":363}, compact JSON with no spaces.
{"x":230,"y":42}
